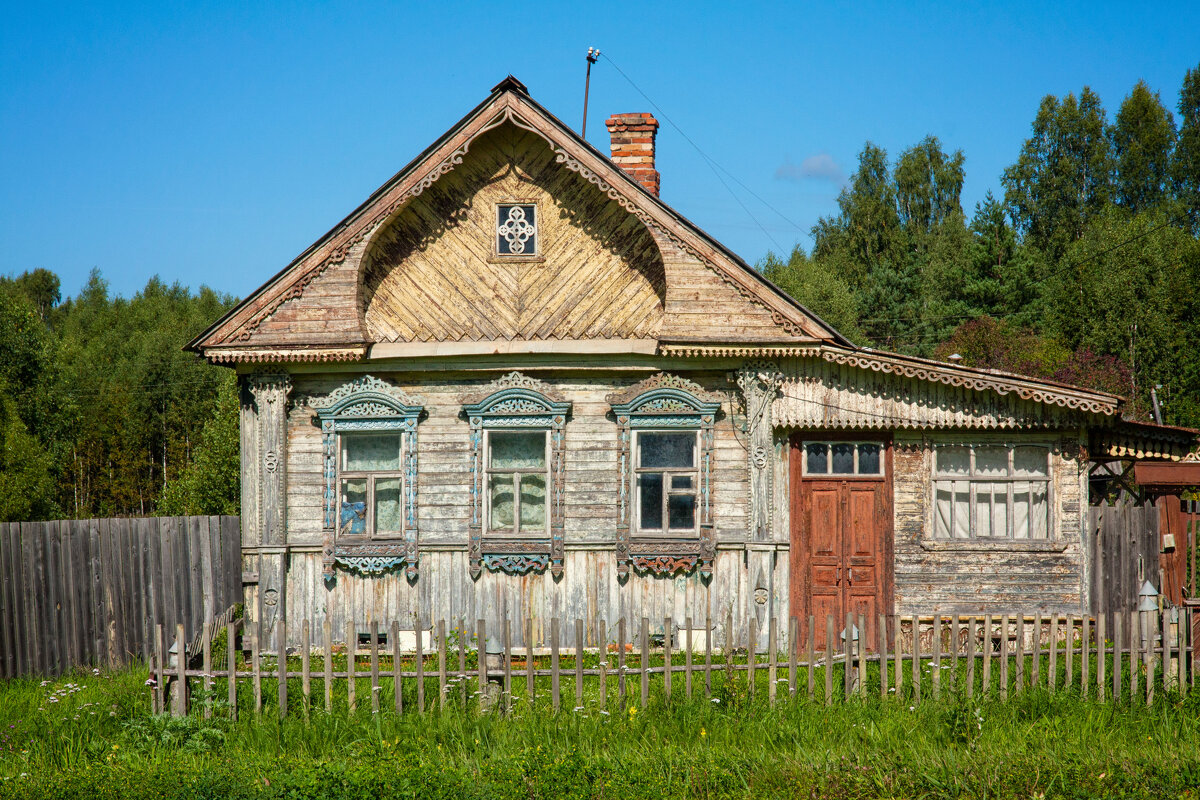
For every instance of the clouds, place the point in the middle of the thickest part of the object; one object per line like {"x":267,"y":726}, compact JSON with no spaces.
{"x":820,"y":167}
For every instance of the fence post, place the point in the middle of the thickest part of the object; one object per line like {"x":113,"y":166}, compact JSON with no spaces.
{"x":987,"y":654}
{"x":1019,"y":662}
{"x":621,"y":662}
{"x":708,"y":634}
{"x":1085,"y":634}
{"x":579,"y":663}
{"x":883,"y":657}
{"x":554,"y":694}
{"x":1166,"y":648}
{"x":160,"y":653}
{"x":305,"y":655}
{"x":256,"y":657}
{"x":441,"y":633}
{"x":1035,"y":669}
{"x":351,"y":652}
{"x":1101,"y":645}
{"x":419,"y":651}
{"x":752,"y":655}
{"x":793,"y":629}
{"x":772,"y":653}
{"x":645,"y":662}
{"x":936,"y":659}
{"x":481,"y":650}
{"x":1052,"y":667}
{"x":1135,"y":646}
{"x":1118,"y":626}
{"x":181,"y":660}
{"x":231,"y":663}
{"x":1004,"y":657}
{"x":327,"y":632}
{"x":916,"y":658}
{"x":374,"y":666}
{"x":281,"y":664}
{"x":530,"y":672}
{"x":971,"y":657}
{"x":687,"y":658}
{"x":830,"y":633}
{"x":602,"y":640}
{"x":667,"y":660}
{"x":206,"y":666}
{"x":397,"y":676}
{"x":811,"y":655}
{"x":507,"y":665}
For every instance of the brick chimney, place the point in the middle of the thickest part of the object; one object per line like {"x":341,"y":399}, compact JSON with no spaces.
{"x":633,"y":147}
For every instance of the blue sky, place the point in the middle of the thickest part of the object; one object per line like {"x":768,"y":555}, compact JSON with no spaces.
{"x":210,"y":143}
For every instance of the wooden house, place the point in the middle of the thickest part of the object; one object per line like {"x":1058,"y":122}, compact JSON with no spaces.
{"x":515,"y":383}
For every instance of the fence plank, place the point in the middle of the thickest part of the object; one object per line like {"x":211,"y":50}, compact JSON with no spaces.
{"x":397,"y":667}
{"x":1118,"y":639}
{"x":829,"y":634}
{"x":862,"y":654}
{"x":772,"y":668}
{"x":462,"y":660}
{"x":1020,"y":660}
{"x":374,"y":633}
{"x":305,"y":674}
{"x":916,"y":658}
{"x":1004,"y":657}
{"x":645,"y":661}
{"x":508,"y":666}
{"x":231,"y":670}
{"x":481,"y":653}
{"x":181,"y":692}
{"x":1135,"y":646}
{"x":936,"y":657}
{"x":579,"y":665}
{"x":687,"y":658}
{"x":811,"y":656}
{"x":1035,"y":667}
{"x":1100,"y":648}
{"x":883,"y":657}
{"x":1084,"y":659}
{"x":1069,"y":650}
{"x":987,"y":654}
{"x":160,"y":666}
{"x":281,"y":678}
{"x":419,"y":652}
{"x":206,"y":666}
{"x":970,"y":657}
{"x":351,"y":657}
{"x":256,"y":657}
{"x":531,"y":678}
{"x":441,"y":658}
{"x":752,"y":654}
{"x":621,"y":662}
{"x":708,"y":635}
{"x":793,"y":645}
{"x":554,"y":689}
{"x":848,"y":656}
{"x":898,"y":666}
{"x":327,"y":633}
{"x":1166,"y":648}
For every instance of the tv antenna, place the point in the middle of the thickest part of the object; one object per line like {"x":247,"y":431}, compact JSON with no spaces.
{"x":592,"y":55}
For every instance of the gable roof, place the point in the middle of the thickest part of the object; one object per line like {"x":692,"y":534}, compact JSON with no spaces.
{"x":509,"y":101}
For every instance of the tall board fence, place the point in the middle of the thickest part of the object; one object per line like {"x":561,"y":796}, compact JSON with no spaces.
{"x":476,"y":665}
{"x":90,"y":592}
{"x":1124,"y":554}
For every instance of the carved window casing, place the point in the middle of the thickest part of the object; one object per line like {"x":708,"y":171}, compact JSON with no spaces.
{"x":992,"y":491}
{"x":665,"y":434}
{"x":518,"y":461}
{"x":369,"y":443}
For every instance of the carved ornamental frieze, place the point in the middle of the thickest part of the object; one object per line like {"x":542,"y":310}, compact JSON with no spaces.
{"x":760,"y":382}
{"x":368,"y":405}
{"x":665,"y":403}
{"x":511,"y":404}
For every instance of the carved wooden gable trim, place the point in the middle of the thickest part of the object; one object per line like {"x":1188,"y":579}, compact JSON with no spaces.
{"x":665,"y":401}
{"x":508,"y":106}
{"x":515,"y":402}
{"x":368,"y":404}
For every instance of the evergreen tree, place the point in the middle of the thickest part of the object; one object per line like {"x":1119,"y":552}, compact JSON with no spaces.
{"x":1186,"y":166}
{"x":816,"y":286}
{"x":211,"y":483}
{"x":1063,"y":176}
{"x":1143,"y":140}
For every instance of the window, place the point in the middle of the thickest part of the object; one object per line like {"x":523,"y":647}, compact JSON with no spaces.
{"x":518,"y":467}
{"x":516,"y":230}
{"x":843,"y":458}
{"x":992,"y":491}
{"x":667,"y":481}
{"x":369,"y":444}
{"x":371,"y":484}
{"x":665,"y":434}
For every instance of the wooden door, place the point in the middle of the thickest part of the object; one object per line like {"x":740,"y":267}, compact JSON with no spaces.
{"x":841,"y":553}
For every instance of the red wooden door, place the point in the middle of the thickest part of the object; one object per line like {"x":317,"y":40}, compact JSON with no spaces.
{"x":841,"y":539}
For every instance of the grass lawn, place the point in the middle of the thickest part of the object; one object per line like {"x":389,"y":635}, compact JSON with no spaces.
{"x":92,"y":735}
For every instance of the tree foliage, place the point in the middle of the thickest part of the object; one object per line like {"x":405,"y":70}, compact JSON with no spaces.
{"x":1085,"y":273}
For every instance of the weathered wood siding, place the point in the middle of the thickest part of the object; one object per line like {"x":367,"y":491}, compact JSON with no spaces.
{"x":962,"y":577}
{"x":444,"y":588}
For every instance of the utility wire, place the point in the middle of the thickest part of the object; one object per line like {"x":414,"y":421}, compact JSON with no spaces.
{"x":712,"y":164}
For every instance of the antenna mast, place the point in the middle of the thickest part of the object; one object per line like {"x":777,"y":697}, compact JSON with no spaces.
{"x":592,"y":55}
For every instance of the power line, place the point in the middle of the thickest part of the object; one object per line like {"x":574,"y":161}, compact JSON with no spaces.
{"x":712,"y":164}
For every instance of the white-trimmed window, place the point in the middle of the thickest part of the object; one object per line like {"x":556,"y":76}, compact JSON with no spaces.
{"x":371,"y":483}
{"x":992,"y":491}
{"x":516,"y":229}
{"x":518,"y":472}
{"x":837,"y":459}
{"x":667,"y":479}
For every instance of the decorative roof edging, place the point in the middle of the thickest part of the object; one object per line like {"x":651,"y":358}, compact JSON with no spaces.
{"x":219,"y":355}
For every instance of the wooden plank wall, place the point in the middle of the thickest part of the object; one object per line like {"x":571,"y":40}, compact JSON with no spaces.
{"x":89,"y":592}
{"x":1123,"y":551}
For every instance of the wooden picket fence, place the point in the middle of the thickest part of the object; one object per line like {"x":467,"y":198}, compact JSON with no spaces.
{"x":428,"y":667}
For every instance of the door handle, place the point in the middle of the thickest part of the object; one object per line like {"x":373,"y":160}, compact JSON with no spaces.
{"x":837,"y":578}
{"x":849,"y":576}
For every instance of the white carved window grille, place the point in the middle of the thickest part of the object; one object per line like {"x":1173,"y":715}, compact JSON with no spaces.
{"x":992,"y":491}
{"x":516,"y":230}
{"x":666,"y":469}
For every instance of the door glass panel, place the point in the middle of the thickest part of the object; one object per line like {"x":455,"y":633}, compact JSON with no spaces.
{"x":670,"y":450}
{"x":387,"y":505}
{"x":500,"y":497}
{"x":533,"y":502}
{"x":817,"y":456}
{"x":650,"y":493}
{"x":868,"y":459}
{"x":843,"y":459}
{"x":1029,"y":461}
{"x":363,"y":452}
{"x":681,"y":511}
{"x":681,"y":481}
{"x":517,"y":450}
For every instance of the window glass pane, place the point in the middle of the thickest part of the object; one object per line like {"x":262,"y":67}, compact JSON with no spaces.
{"x":991,"y":509}
{"x":500,"y":498}
{"x":952,"y":512}
{"x":650,"y":492}
{"x":681,"y":481}
{"x":843,"y":459}
{"x":1029,"y":461}
{"x":353,"y":516}
{"x":371,"y":451}
{"x":681,"y":511}
{"x":818,"y":459}
{"x":533,"y":502}
{"x":991,"y":460}
{"x":1030,"y":511}
{"x":868,"y":459}
{"x":672,"y":450}
{"x":519,"y":450}
{"x":387,"y":506}
{"x":953,"y":460}
{"x":1021,"y":509}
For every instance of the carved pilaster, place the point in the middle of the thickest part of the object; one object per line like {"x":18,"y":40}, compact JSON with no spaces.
{"x":270,"y":393}
{"x":760,"y":382}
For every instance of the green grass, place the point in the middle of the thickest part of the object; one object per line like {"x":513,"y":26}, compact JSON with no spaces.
{"x":99,"y":740}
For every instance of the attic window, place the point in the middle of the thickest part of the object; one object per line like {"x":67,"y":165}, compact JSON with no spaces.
{"x":516,"y":230}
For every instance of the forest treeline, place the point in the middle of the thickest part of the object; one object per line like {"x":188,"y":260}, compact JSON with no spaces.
{"x":1085,"y":270}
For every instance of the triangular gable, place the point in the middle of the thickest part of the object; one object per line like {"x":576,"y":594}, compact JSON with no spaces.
{"x":329,"y":325}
